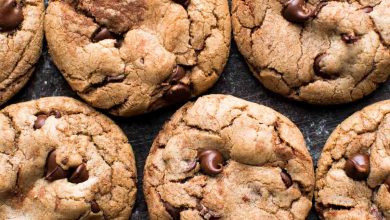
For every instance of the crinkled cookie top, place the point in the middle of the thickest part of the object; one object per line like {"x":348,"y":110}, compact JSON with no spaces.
{"x":327,"y":52}
{"x":131,"y":57}
{"x":225,"y":158}
{"x":59,"y":159}
{"x":21,"y":35}
{"x":353,"y":175}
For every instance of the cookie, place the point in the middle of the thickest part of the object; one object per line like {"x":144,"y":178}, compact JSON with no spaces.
{"x":132,"y":57}
{"x":21,"y":35}
{"x":225,"y":158}
{"x":353,"y":174}
{"x":317,"y":52}
{"x":60,"y":159}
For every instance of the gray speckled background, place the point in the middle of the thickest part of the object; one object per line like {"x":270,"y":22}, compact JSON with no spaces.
{"x":316,"y":123}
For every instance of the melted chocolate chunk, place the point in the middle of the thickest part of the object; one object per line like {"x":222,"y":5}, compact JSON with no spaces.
{"x":286,"y":179}
{"x":211,"y":162}
{"x":357,"y":166}
{"x":40,"y":121}
{"x":102,"y":34}
{"x":54,"y":171}
{"x":80,"y":174}
{"x":11,"y":15}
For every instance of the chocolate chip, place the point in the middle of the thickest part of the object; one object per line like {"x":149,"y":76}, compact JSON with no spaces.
{"x":357,"y":166}
{"x":102,"y":34}
{"x":177,"y":74}
{"x":316,"y":65}
{"x":349,"y":38}
{"x":53,"y":171}
{"x":178,"y":93}
{"x":295,"y":12}
{"x":40,"y":121}
{"x":286,"y":179}
{"x":56,"y":113}
{"x":368,"y":9}
{"x":11,"y":15}
{"x":118,"y":78}
{"x":80,"y":174}
{"x":387,"y":182}
{"x":211,"y":162}
{"x":94,"y":207}
{"x":173,"y":211}
{"x":184,"y":3}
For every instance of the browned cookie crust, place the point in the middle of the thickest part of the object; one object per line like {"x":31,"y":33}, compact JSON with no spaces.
{"x":320,"y":52}
{"x":353,"y":174}
{"x":21,"y":33}
{"x":225,"y":158}
{"x":60,"y":159}
{"x":131,"y":57}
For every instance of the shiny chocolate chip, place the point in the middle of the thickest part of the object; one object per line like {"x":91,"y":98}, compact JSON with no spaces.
{"x":11,"y":15}
{"x":184,"y":3}
{"x":349,"y":38}
{"x":211,"y":162}
{"x":173,"y":211}
{"x":118,"y":78}
{"x":316,"y":65}
{"x":357,"y":166}
{"x":178,"y":93}
{"x":102,"y":34}
{"x":80,"y":174}
{"x":286,"y":179}
{"x":177,"y":74}
{"x":295,"y":11}
{"x":54,"y":171}
{"x":94,"y":207}
{"x":56,"y":113}
{"x":368,"y":9}
{"x":40,"y":121}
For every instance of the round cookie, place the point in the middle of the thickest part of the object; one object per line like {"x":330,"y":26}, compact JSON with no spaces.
{"x":225,"y":158}
{"x":132,"y":57}
{"x":353,"y":174}
{"x":317,"y":52}
{"x":60,"y":159}
{"x":21,"y":35}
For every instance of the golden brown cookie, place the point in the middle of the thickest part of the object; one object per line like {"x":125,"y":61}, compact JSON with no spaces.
{"x":60,"y":159}
{"x":132,"y":57}
{"x":353,"y":174}
{"x":225,"y":158}
{"x":319,"y":52}
{"x":21,"y":34}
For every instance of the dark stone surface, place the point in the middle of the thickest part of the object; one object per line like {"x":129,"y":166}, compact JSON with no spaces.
{"x":315,"y":122}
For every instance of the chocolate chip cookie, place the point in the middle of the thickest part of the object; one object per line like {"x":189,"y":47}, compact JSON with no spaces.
{"x":21,"y":33}
{"x":353,"y":174}
{"x":225,"y":158}
{"x":132,"y":57}
{"x":59,"y":159}
{"x":319,"y":52}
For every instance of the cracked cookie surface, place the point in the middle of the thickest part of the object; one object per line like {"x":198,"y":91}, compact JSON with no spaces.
{"x":60,"y":159}
{"x":319,"y":52}
{"x":225,"y":158}
{"x":132,"y":57}
{"x":353,"y":174}
{"x":21,"y":35}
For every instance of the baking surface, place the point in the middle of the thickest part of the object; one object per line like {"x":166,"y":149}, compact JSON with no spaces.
{"x":315,"y":122}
